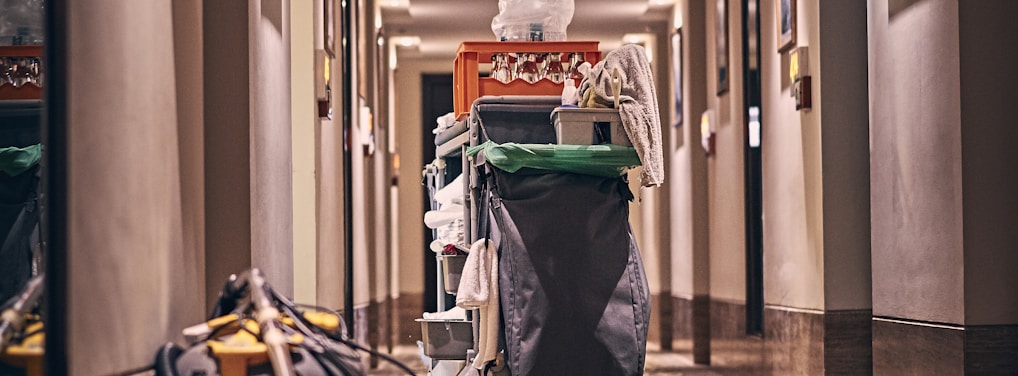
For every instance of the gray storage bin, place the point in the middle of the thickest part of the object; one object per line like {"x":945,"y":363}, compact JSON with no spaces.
{"x":589,"y":126}
{"x":452,"y":268}
{"x":446,"y":339}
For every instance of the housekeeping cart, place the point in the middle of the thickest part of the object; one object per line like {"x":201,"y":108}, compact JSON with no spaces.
{"x":572,"y":292}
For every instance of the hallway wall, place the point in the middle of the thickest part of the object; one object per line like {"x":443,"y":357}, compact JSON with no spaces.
{"x":815,"y":316}
{"x":843,"y":106}
{"x":248,"y":143}
{"x":943,"y":186}
{"x":125,"y":250}
{"x":791,"y":158}
{"x":725,"y":167}
{"x":187,"y":26}
{"x":688,"y":208}
{"x":410,"y":239}
{"x":303,"y":127}
{"x":915,"y":112}
{"x":408,"y":144}
{"x":988,"y":161}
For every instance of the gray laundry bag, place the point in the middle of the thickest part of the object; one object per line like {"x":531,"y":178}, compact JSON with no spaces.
{"x":573,"y":289}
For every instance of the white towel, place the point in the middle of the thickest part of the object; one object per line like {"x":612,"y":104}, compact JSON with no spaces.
{"x":451,"y":193}
{"x":478,"y":289}
{"x":637,"y":105}
{"x":454,"y":313}
{"x":441,"y":217}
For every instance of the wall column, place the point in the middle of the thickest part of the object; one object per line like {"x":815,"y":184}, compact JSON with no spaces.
{"x":687,"y":174}
{"x":248,"y":142}
{"x":942,"y":184}
{"x":125,"y":254}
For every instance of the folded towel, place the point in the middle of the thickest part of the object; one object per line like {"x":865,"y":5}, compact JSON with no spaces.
{"x":454,"y":313}
{"x":451,"y":193}
{"x":637,"y":105}
{"x":441,"y":217}
{"x":478,"y":289}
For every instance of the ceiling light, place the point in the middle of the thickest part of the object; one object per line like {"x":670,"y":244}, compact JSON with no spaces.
{"x":396,"y":3}
{"x":661,"y":3}
{"x":634,"y":38}
{"x":408,"y":41}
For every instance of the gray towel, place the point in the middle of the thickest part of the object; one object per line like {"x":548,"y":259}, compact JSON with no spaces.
{"x":637,"y":105}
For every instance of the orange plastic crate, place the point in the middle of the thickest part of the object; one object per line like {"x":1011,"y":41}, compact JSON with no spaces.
{"x":25,"y":92}
{"x":469,"y":85}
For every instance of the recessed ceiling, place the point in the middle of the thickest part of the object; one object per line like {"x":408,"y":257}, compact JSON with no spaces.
{"x":443,"y":24}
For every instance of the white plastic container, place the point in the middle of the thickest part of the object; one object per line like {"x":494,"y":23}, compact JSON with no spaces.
{"x":589,"y":126}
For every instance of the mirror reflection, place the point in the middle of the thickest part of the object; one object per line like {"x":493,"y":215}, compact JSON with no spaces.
{"x":21,"y":152}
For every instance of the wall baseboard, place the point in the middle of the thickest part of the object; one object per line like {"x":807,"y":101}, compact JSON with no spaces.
{"x":795,"y":341}
{"x":409,"y":307}
{"x":904,"y":346}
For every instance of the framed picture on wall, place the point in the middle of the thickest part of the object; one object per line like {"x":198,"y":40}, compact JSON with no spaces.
{"x":330,"y":27}
{"x":677,"y":76}
{"x":784,"y":12}
{"x":721,"y":44}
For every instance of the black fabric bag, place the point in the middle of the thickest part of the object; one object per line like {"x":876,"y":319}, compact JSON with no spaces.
{"x":573,"y":289}
{"x":19,"y":217}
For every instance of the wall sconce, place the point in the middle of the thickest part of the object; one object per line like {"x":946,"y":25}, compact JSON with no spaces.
{"x":798,"y":72}
{"x":323,"y":91}
{"x":366,"y":128}
{"x":707,"y":128}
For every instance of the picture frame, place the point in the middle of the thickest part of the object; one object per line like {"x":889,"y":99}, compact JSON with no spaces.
{"x":784,"y":19}
{"x":676,"y":46}
{"x":329,"y":12}
{"x":721,"y":45}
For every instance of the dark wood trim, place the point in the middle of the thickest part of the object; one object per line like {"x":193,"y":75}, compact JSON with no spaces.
{"x":663,"y":313}
{"x":408,"y":307}
{"x":918,"y":349}
{"x":701,"y":329}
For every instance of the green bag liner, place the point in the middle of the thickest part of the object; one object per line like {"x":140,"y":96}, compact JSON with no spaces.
{"x":597,"y":160}
{"x":15,"y":160}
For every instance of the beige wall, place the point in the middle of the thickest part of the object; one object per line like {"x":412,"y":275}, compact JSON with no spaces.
{"x":792,"y":190}
{"x":330,"y":259}
{"x":793,"y":164}
{"x":942,"y":179}
{"x":843,"y":110}
{"x":687,"y":177}
{"x":187,"y":26}
{"x":988,"y":161}
{"x":916,"y":178}
{"x":247,"y":138}
{"x":304,"y":122}
{"x":407,"y":92}
{"x":725,"y":177}
{"x":125,"y":250}
{"x":271,"y":177}
{"x":329,"y":172}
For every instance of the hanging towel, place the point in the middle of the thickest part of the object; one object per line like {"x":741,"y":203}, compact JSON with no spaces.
{"x":637,"y":105}
{"x":478,"y":289}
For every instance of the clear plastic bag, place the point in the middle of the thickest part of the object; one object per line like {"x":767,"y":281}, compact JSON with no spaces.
{"x":532,"y":20}
{"x":21,"y":22}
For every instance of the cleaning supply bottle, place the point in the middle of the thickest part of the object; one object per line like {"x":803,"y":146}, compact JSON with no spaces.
{"x":569,"y":93}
